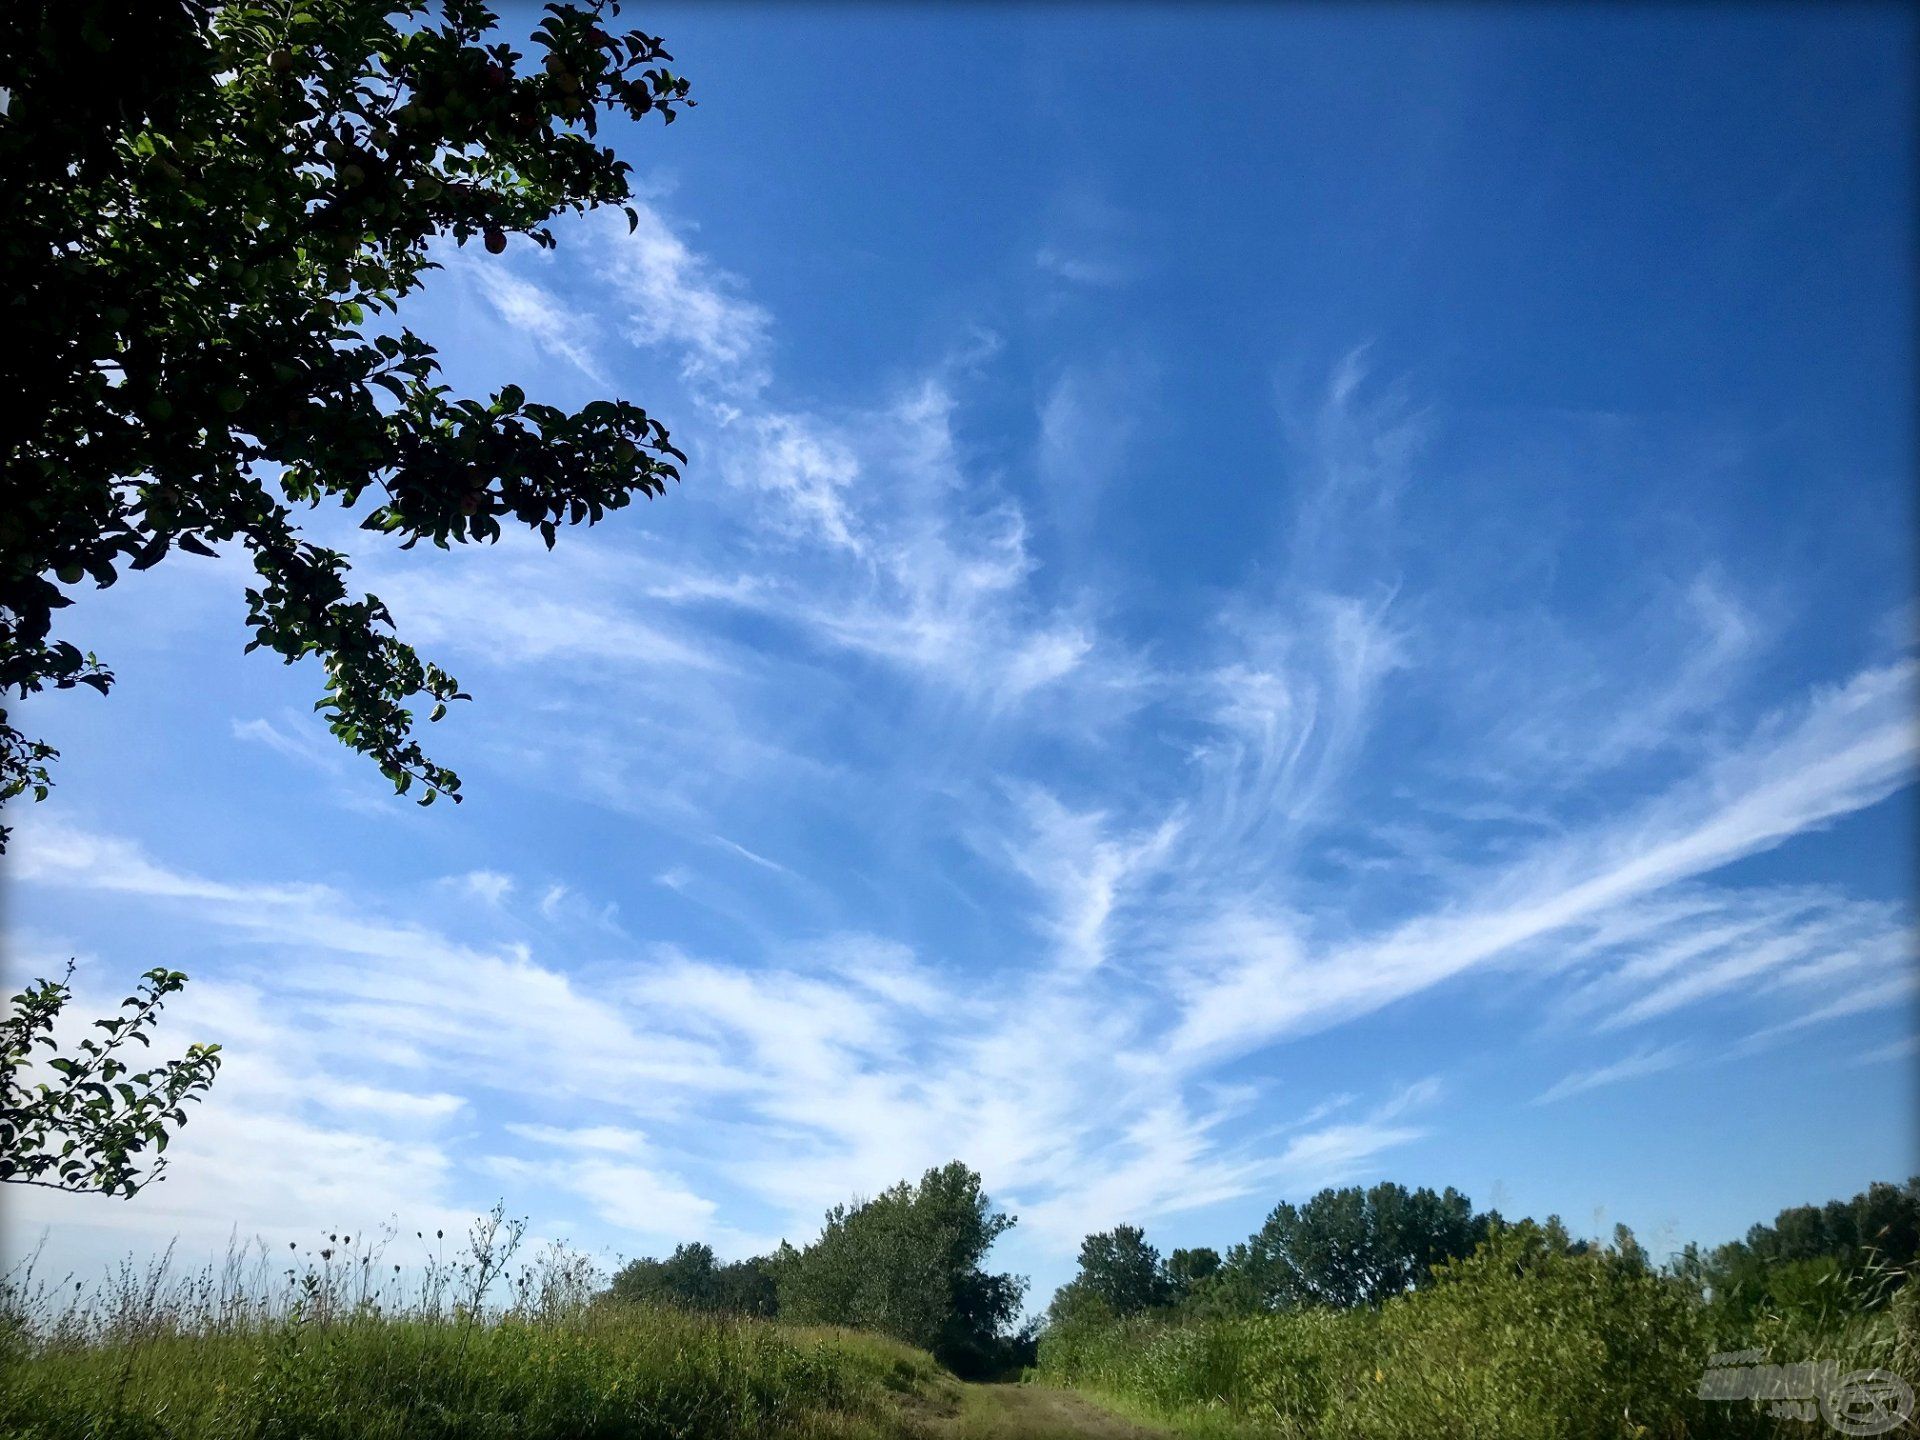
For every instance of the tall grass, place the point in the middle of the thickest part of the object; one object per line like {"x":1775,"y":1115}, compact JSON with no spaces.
{"x":342,"y":1342}
{"x":1504,"y":1346}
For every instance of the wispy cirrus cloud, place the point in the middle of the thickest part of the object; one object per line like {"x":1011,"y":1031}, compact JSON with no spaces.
{"x":539,"y":314}
{"x":676,"y":297}
{"x":1643,"y":1062}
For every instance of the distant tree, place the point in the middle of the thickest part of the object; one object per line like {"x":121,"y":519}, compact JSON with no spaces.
{"x":908,"y":1263}
{"x":1630,"y":1251}
{"x":1558,"y":1238}
{"x":1120,"y":1274}
{"x":1840,"y":1257}
{"x":745,"y":1287}
{"x":692,"y":1279}
{"x":207,"y":204}
{"x":684,"y":1280}
{"x":1881,"y":1222}
{"x":1352,"y":1247}
{"x":1190,"y":1271}
{"x":94,"y":1123}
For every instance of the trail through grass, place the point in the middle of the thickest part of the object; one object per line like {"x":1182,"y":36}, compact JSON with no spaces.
{"x":1031,"y":1412}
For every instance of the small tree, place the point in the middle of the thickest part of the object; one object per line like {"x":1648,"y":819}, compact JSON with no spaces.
{"x":97,"y":1125}
{"x":208,"y":203}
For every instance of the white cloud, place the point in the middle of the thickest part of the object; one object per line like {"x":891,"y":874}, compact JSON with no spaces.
{"x":297,"y":745}
{"x":1845,"y":749}
{"x":1082,"y":269}
{"x":552,"y":619}
{"x":1089,"y":422}
{"x":347,"y":1096}
{"x":675,"y":296}
{"x":733,"y":847}
{"x":1287,"y":712}
{"x":1642,"y":1062}
{"x":489,"y":886}
{"x":602,"y":1139}
{"x":537,"y":313}
{"x":395,"y":992}
{"x":1900,"y":989}
{"x":807,"y":471}
{"x":1568,"y":705}
{"x":1902,"y":1049}
{"x":1081,"y":872}
{"x":1335,"y":1152}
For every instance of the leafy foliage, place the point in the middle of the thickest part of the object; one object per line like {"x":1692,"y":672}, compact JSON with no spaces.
{"x":97,"y":1124}
{"x":691,"y":1279}
{"x":1120,"y":1274}
{"x":211,"y":206}
{"x":907,"y":1263}
{"x":1190,"y":1271}
{"x":1352,"y":1247}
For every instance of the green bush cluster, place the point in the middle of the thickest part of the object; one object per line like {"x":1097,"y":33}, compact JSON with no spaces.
{"x":1528,"y":1338}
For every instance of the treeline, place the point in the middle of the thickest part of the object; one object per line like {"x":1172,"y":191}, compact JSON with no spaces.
{"x":1394,"y":1313}
{"x":1351,"y":1247}
{"x":693,"y":1279}
{"x":1845,"y":1255}
{"x":1342,"y":1248}
{"x":908,"y":1263}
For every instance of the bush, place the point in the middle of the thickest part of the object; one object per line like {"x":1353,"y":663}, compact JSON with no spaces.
{"x":1532,"y":1341}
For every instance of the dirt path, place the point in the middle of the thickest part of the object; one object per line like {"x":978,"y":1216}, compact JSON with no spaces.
{"x":1033,"y":1412}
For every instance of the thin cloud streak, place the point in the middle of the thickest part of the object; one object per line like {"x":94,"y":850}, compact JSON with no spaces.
{"x":1643,"y":1062}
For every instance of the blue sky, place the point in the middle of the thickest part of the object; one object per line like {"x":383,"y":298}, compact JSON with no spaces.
{"x":1264,"y":597}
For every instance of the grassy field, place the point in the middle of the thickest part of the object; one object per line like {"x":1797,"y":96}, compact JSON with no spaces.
{"x":338,"y":1342}
{"x":600,"y":1374}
